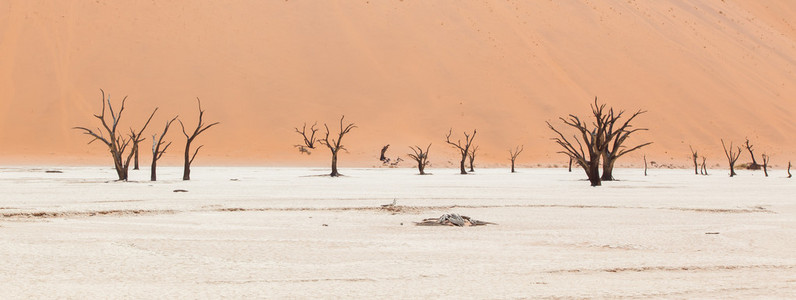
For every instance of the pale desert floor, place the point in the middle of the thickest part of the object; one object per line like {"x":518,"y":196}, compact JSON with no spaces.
{"x":285,"y":233}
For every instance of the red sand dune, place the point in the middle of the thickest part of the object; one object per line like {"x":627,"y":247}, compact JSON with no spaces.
{"x":404,"y":71}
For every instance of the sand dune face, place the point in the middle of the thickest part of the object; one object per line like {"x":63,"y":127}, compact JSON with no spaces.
{"x":404,"y":71}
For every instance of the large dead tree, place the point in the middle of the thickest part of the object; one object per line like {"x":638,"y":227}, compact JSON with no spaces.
{"x":589,"y":146}
{"x":513,"y":154}
{"x":157,"y":152}
{"x":309,"y":141}
{"x":749,"y":147}
{"x":732,"y":157}
{"x":421,"y":157}
{"x":471,"y":155}
{"x":616,"y":134}
{"x":694,"y":155}
{"x":109,"y":135}
{"x":189,"y":138}
{"x":335,"y":145}
{"x":464,"y":149}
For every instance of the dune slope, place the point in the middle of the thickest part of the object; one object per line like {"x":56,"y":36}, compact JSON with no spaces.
{"x":403,"y":71}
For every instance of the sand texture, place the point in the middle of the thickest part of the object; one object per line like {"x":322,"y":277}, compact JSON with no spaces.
{"x":287,"y":233}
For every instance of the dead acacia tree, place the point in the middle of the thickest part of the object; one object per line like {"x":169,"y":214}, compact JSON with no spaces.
{"x":765,"y":164}
{"x":116,"y":142}
{"x":514,"y":153}
{"x":200,"y":127}
{"x":694,"y":155}
{"x":645,"y":165}
{"x":732,"y":157}
{"x":157,"y":152}
{"x":421,"y":157}
{"x":592,"y":139}
{"x":471,"y":156}
{"x":616,"y":135}
{"x":789,"y":175}
{"x":309,"y":142}
{"x":335,"y":145}
{"x":704,"y":170}
{"x":754,"y":165}
{"x":382,"y":157}
{"x":464,"y":149}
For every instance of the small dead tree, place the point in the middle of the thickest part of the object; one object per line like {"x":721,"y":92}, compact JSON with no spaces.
{"x":694,"y":155}
{"x":645,"y":165}
{"x":200,"y":127}
{"x":615,"y":137}
{"x":421,"y":157}
{"x":754,"y":165}
{"x":471,"y":156}
{"x":592,"y":139}
{"x":157,"y":152}
{"x":765,"y":164}
{"x":789,"y":165}
{"x":704,"y":170}
{"x":335,"y":145}
{"x":309,"y":142}
{"x":514,"y":153}
{"x":115,"y":141}
{"x":382,"y":157}
{"x":732,"y":157}
{"x":464,"y":149}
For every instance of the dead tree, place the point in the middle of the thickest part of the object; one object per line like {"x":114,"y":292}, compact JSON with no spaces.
{"x":421,"y":157}
{"x":309,"y":142}
{"x":592,"y":139}
{"x":570,"y":164}
{"x":514,"y":153}
{"x":135,"y":140}
{"x":765,"y":164}
{"x":157,"y":152}
{"x":335,"y":145}
{"x":704,"y":170}
{"x":732,"y":157}
{"x":464,"y":149}
{"x":694,"y":155}
{"x":789,"y":175}
{"x":754,"y":165}
{"x":115,"y":141}
{"x":200,"y":127}
{"x":616,"y":135}
{"x":383,"y":158}
{"x":645,"y":165}
{"x":471,"y":156}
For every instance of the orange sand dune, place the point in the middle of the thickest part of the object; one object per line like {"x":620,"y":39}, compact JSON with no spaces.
{"x":404,"y":71}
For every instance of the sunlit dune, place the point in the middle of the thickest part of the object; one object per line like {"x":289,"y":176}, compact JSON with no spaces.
{"x":404,"y":71}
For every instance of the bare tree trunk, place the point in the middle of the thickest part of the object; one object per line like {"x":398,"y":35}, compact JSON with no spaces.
{"x":645,"y":165}
{"x":382,"y":157}
{"x":789,"y":175}
{"x":570,"y":164}
{"x":334,"y":165}
{"x":135,"y":155}
{"x":766,"y":158}
{"x":732,"y":157}
{"x":471,"y":155}
{"x":593,"y":172}
{"x":186,"y":169}
{"x":608,"y":169}
{"x":462,"y":170}
{"x":754,"y":165}
{"x":153,"y":176}
{"x":704,"y":170}
{"x":464,"y":150}
{"x":694,"y":155}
